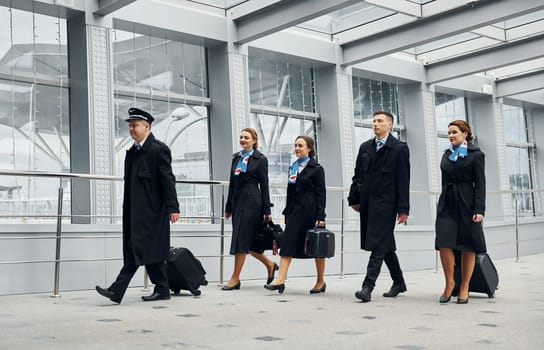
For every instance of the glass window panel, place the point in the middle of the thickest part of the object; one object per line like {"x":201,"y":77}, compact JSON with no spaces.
{"x":361,"y":135}
{"x":184,"y":128}
{"x":448,"y":108}
{"x":33,"y":44}
{"x":281,"y":85}
{"x":519,"y":177}
{"x":347,"y":18}
{"x":370,"y":96}
{"x":276,"y":140}
{"x":443,"y":144}
{"x":518,"y":159}
{"x":34,"y":124}
{"x":514,"y":124}
{"x":159,"y":65}
{"x":225,"y":4}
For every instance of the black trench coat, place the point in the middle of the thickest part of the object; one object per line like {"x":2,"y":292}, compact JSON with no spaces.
{"x":248,"y":201}
{"x":462,"y":196}
{"x":149,"y":197}
{"x":381,"y":185}
{"x":305,"y":204}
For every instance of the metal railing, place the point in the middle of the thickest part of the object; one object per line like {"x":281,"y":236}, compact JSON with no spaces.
{"x":213,"y":218}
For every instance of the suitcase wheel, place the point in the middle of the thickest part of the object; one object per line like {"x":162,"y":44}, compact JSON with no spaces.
{"x":491,"y":295}
{"x":204,"y":283}
{"x":176,"y":291}
{"x":197,"y":293}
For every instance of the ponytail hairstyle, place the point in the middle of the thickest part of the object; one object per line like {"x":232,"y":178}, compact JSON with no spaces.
{"x":254,"y":136}
{"x":310,"y":143}
{"x":464,"y":127}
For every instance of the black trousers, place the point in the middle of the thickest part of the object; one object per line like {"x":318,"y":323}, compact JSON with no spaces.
{"x":156,"y":272}
{"x":375,"y":265}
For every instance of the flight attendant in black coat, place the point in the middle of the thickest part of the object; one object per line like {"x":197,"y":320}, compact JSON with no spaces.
{"x":150,"y":204}
{"x":461,"y":208}
{"x":304,"y":209}
{"x":248,"y":203}
{"x":380,"y":192}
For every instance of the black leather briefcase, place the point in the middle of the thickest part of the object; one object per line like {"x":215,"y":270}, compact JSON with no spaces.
{"x":319,"y":243}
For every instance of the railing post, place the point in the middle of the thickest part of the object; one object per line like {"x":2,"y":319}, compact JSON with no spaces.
{"x":58,"y":237}
{"x":222,"y":240}
{"x":517,"y":226}
{"x":342,"y":218}
{"x":146,"y":281}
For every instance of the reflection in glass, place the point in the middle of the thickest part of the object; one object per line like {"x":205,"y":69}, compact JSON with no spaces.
{"x":447,"y":109}
{"x":518,"y":159}
{"x":276,"y":140}
{"x":281,"y":85}
{"x":370,"y":96}
{"x":346,"y":18}
{"x":157,"y":65}
{"x":159,"y":75}
{"x":34,"y":124}
{"x":514,"y":124}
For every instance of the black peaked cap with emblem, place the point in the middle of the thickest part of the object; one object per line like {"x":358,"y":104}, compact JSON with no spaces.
{"x":138,"y":114}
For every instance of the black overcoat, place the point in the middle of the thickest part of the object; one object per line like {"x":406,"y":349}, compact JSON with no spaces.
{"x":305,"y":204}
{"x":381,"y":185}
{"x":462,"y":196}
{"x":149,"y":197}
{"x":248,"y":200}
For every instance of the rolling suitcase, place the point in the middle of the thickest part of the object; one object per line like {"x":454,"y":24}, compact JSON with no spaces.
{"x":319,"y":243}
{"x":185,"y":271}
{"x":485,"y":278}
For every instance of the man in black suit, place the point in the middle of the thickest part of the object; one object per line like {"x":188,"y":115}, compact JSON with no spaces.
{"x":150,"y":204}
{"x":380,"y":193}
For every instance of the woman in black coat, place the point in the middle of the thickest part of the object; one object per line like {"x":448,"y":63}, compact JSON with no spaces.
{"x":248,"y":202}
{"x":304,"y":209}
{"x":461,"y":208}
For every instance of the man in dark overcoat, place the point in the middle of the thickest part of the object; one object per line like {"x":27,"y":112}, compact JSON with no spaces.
{"x":150,"y":204}
{"x":380,"y":193}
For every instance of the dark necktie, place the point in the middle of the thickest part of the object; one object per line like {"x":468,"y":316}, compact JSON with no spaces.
{"x":138,"y":147}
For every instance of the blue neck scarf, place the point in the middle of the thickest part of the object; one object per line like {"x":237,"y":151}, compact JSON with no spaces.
{"x":458,"y":151}
{"x":293,"y":170}
{"x":241,"y":167}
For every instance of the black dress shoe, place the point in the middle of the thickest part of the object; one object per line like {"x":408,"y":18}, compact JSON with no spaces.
{"x":279,"y":287}
{"x":364,"y":294}
{"x":156,"y":296}
{"x":319,"y":290}
{"x":395,"y":290}
{"x":444,"y":299}
{"x":108,"y":294}
{"x":236,"y":286}
{"x":271,"y":278}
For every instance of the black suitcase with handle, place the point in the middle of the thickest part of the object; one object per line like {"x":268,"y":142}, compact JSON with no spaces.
{"x":319,"y":243}
{"x":185,"y":271}
{"x":485,"y":278}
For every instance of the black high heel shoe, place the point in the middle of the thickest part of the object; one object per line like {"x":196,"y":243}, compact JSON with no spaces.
{"x":319,"y":290}
{"x":279,"y":287}
{"x":462,"y":301}
{"x":444,"y":299}
{"x":271,"y":278}
{"x":236,"y":286}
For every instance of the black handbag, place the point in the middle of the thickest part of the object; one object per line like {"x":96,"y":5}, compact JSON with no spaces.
{"x":269,"y":237}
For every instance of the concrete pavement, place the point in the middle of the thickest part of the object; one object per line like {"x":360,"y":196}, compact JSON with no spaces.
{"x":254,"y":318}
